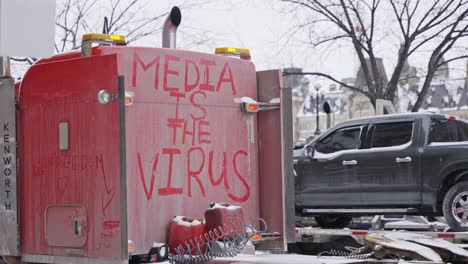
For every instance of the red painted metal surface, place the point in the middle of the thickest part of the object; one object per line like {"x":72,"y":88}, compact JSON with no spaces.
{"x":66,"y":225}
{"x":226,"y":220}
{"x":87,"y":174}
{"x":187,"y":143}
{"x":273,"y":196}
{"x":183,"y":231}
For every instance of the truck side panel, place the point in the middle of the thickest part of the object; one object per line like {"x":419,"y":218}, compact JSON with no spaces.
{"x":188,"y":142}
{"x":276,"y":177}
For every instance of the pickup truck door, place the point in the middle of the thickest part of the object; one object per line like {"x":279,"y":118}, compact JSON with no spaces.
{"x":328,"y":177}
{"x":389,"y":167}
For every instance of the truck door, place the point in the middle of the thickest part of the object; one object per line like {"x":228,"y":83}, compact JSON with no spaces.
{"x":389,"y":167}
{"x":328,"y":178}
{"x":72,"y":198}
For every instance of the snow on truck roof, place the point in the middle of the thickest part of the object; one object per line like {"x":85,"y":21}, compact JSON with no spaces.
{"x":395,"y":116}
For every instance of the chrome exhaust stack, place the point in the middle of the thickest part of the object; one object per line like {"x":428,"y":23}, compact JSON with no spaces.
{"x":170,"y":28}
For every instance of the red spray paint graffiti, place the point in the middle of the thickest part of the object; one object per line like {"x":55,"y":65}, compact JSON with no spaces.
{"x":108,"y":196}
{"x":194,"y":174}
{"x":190,"y":136}
{"x":170,"y":71}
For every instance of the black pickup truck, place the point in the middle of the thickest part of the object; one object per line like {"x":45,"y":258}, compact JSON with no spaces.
{"x":390,"y":164}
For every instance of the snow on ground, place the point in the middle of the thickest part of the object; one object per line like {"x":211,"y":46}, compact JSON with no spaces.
{"x":261,"y":257}
{"x":299,"y":259}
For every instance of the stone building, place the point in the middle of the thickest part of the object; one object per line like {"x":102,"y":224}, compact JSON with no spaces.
{"x":300,"y":87}
{"x":447,"y":95}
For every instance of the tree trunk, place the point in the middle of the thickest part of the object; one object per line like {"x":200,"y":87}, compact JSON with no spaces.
{"x":424,"y":90}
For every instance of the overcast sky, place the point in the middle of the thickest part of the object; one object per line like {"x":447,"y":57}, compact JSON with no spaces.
{"x":263,"y":27}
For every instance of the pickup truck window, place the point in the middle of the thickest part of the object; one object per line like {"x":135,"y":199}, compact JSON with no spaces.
{"x":341,"y":139}
{"x":443,"y":130}
{"x":462,"y":131}
{"x":391,"y":134}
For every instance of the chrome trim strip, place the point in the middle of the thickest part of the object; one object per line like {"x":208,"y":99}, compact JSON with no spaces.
{"x":373,"y":211}
{"x":403,"y":160}
{"x":349,"y":162}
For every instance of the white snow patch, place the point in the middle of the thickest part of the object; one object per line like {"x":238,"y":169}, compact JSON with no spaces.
{"x":182,"y":220}
{"x":456,"y":98}
{"x":261,"y":257}
{"x":248,"y":100}
{"x":431,"y":109}
{"x":429,"y":100}
{"x":223,"y":206}
{"x":275,"y":101}
{"x":244,"y":99}
{"x":307,"y":102}
{"x":460,"y":143}
{"x":155,"y":245}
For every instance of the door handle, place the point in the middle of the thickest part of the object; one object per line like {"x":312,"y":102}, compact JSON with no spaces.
{"x":349,"y":162}
{"x":403,"y":160}
{"x":78,"y":227}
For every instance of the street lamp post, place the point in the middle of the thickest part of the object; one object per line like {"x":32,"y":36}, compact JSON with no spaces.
{"x":317,"y":108}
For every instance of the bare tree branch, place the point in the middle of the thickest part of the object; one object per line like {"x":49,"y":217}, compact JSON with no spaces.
{"x":359,"y":48}
{"x":350,"y":87}
{"x":77,"y":17}
{"x":30,"y":61}
{"x":438,"y":23}
{"x":435,"y":60}
{"x":453,"y":59}
{"x":330,"y":39}
{"x":399,"y":16}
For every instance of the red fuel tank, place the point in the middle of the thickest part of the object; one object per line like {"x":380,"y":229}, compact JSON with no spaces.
{"x":224,"y":218}
{"x":185,"y":231}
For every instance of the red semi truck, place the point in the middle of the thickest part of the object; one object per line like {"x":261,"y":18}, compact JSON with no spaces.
{"x":101,"y":148}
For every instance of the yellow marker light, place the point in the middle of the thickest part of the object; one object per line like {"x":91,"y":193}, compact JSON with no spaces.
{"x":232,"y":51}
{"x":104,"y":37}
{"x":117,"y":38}
{"x":242,"y":53}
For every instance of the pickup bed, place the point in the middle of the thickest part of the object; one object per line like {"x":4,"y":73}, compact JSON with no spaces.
{"x":391,"y":164}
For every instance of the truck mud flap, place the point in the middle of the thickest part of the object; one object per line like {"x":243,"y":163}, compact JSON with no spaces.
{"x":415,"y":246}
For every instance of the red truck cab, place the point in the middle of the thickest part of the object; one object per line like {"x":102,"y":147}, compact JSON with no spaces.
{"x":115,"y":141}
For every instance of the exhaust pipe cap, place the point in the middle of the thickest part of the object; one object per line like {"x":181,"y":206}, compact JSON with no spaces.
{"x":176,"y":16}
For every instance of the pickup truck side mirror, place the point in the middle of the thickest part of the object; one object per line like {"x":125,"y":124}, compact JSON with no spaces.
{"x":310,"y":150}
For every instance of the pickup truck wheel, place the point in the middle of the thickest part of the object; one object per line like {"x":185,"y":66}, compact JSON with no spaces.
{"x":331,"y":221}
{"x":455,"y":207}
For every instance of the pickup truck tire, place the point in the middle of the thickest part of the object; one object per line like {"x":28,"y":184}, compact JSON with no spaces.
{"x":455,"y":207}
{"x":332,"y":221}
